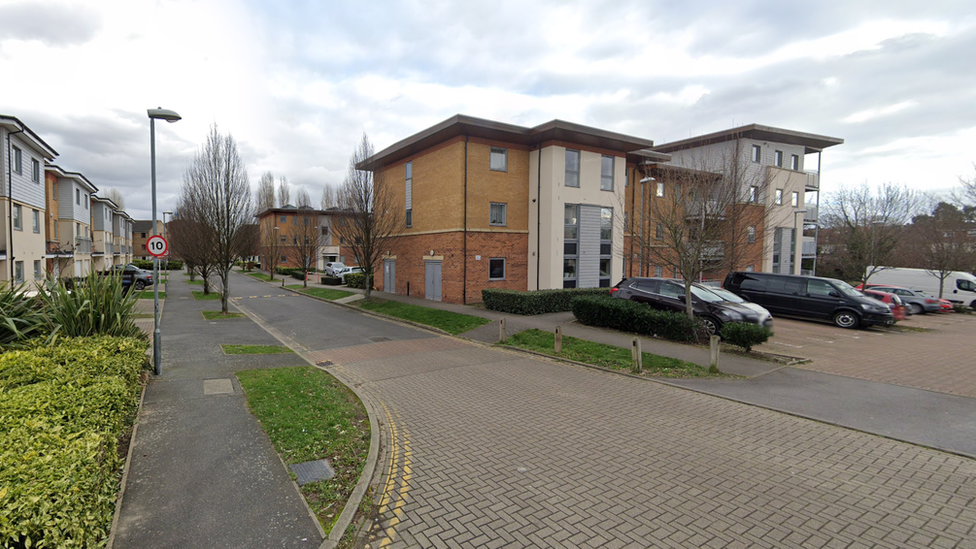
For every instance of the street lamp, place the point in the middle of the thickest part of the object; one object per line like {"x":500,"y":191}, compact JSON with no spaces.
{"x":166,"y":267}
{"x":169,"y":116}
{"x":796,"y":240}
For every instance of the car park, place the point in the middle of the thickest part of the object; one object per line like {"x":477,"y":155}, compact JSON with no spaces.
{"x":956,"y":286}
{"x":765,"y":318}
{"x":916,"y":301}
{"x":332,"y":268}
{"x":665,"y":294}
{"x":898,"y":309}
{"x":809,"y":297}
{"x":341,"y":273}
{"x":140,"y":277}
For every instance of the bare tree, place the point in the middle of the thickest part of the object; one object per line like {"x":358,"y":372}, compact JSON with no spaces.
{"x":249,"y":245}
{"x":866,"y":226}
{"x":216,"y":195}
{"x":271,"y":244}
{"x":306,"y":239}
{"x":942,"y":241}
{"x":302,"y":198}
{"x":284,"y":193}
{"x":372,"y":222}
{"x":330,"y":197}
{"x":116,"y":197}
{"x":191,"y":242}
{"x":265,"y":195}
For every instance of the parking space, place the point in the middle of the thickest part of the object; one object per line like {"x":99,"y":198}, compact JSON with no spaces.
{"x":932,"y":352}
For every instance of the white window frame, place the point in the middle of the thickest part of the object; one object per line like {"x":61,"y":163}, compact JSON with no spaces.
{"x":795,"y":199}
{"x":38,"y":272}
{"x":504,"y":211}
{"x":504,"y":266}
{"x":751,"y":234}
{"x":753,"y":194}
{"x":35,"y":170}
{"x":498,"y":152}
{"x":756,"y":153}
{"x":36,"y":221}
{"x":606,"y":180}
{"x":659,"y":192}
{"x":18,"y":272}
{"x":779,"y":159}
{"x":18,"y":161}
{"x":794,"y":162}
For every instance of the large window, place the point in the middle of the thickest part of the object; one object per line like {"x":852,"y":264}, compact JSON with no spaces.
{"x":499,"y":159}
{"x":659,"y":231}
{"x":35,"y":170}
{"x":38,"y":275}
{"x":497,"y":214}
{"x":18,"y":220}
{"x":496,"y":268}
{"x":572,"y":168}
{"x":751,"y":234}
{"x":779,"y":158}
{"x":606,"y":245}
{"x":795,"y":199}
{"x":570,"y":245}
{"x":19,"y":272}
{"x":794,"y":162}
{"x":18,"y":161}
{"x":753,"y":194}
{"x":408,"y":173}
{"x":606,"y":173}
{"x":659,"y":191}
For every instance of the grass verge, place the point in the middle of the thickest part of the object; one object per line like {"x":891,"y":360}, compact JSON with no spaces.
{"x":254,"y":349}
{"x":195,"y":282}
{"x":324,"y":293}
{"x":452,"y":323}
{"x":260,"y":276}
{"x":606,"y":356}
{"x":148,"y":294}
{"x":216,"y":315}
{"x":309,"y":415}
{"x":200,"y":296}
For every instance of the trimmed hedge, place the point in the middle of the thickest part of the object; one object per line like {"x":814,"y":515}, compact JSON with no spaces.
{"x":630,"y":316}
{"x":356,"y":280}
{"x":745,"y":335}
{"x":147,"y":264}
{"x":536,"y":302}
{"x":331,"y":280}
{"x":63,"y":409}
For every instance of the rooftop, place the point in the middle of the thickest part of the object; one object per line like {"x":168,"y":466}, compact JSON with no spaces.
{"x":812,"y":143}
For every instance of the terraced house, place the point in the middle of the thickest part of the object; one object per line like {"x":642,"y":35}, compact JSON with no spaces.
{"x":494,"y":205}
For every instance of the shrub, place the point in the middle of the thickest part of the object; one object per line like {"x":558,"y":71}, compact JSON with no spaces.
{"x":960,"y":308}
{"x":356,"y":280}
{"x":536,"y":302}
{"x":174,"y":265}
{"x":331,"y":280}
{"x":97,"y":307}
{"x":63,"y":411}
{"x":21,"y":317}
{"x":629,"y":316}
{"x":745,"y":335}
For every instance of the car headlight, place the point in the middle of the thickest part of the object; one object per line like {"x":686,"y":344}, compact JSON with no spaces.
{"x":732,"y":316}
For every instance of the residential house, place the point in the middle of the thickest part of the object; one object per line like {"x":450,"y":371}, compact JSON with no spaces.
{"x":22,"y":202}
{"x":141,"y":231}
{"x":74,"y":222}
{"x":290,"y":231}
{"x":103,"y":236}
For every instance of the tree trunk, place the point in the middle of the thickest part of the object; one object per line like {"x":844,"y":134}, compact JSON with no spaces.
{"x":368,"y":287}
{"x":224,"y":290}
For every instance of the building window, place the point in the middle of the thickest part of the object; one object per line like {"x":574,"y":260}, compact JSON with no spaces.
{"x":37,"y":270}
{"x":751,"y":235}
{"x":19,"y":272}
{"x":18,"y":166}
{"x":499,"y":159}
{"x":18,"y":222}
{"x":606,"y":173}
{"x":78,"y":197}
{"x":659,"y":231}
{"x":408,"y":172}
{"x":35,"y":170}
{"x":779,"y":158}
{"x":86,"y":201}
{"x":794,"y":162}
{"x":795,"y":199}
{"x":496,"y":268}
{"x":36,"y":221}
{"x":606,"y":245}
{"x":659,"y":271}
{"x":284,"y":240}
{"x":497,"y":214}
{"x":572,"y":169}
{"x":660,"y":189}
{"x":753,"y":194}
{"x":779,"y":197}
{"x":750,"y":268}
{"x":283,"y":219}
{"x":570,"y":244}
{"x":756,"y":153}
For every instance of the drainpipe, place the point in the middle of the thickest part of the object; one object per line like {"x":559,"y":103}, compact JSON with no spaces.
{"x":538,"y":216}
{"x":464,"y":277}
{"x":10,"y":206}
{"x":633,"y":213}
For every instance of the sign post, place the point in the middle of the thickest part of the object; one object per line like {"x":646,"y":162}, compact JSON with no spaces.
{"x":157,"y":246}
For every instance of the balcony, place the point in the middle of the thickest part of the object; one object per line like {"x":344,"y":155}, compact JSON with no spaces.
{"x":808,"y":247}
{"x":813,"y":181}
{"x":83,"y":245}
{"x":713,"y":251}
{"x":710,"y":209}
{"x":55,"y":249}
{"x":812,"y":214}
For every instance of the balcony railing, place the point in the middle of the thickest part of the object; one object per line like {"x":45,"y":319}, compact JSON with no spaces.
{"x":813,"y":181}
{"x":83,"y":245}
{"x":713,"y":251}
{"x":808,"y":248}
{"x":811,"y":215}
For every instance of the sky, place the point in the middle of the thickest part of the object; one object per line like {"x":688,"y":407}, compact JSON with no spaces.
{"x":297,"y":83}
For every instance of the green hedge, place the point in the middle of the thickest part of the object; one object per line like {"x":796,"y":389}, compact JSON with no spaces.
{"x":147,"y":264}
{"x":745,"y":335}
{"x":630,"y":316}
{"x":536,"y":302}
{"x":356,"y":280}
{"x":63,"y":409}
{"x":331,"y":280}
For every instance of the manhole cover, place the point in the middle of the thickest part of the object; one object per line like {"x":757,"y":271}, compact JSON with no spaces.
{"x":312,"y":471}
{"x":325,"y":363}
{"x":378,"y":339}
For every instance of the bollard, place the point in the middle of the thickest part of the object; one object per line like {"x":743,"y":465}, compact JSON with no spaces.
{"x":559,"y":340}
{"x":638,"y":356}
{"x":713,"y":343}
{"x":501,"y":330}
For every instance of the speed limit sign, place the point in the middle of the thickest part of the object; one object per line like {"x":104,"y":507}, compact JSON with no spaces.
{"x":157,"y":246}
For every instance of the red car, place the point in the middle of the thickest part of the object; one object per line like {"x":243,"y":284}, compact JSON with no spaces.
{"x":898,"y":309}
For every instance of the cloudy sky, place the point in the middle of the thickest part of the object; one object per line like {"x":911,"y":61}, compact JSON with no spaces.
{"x":298,"y":82}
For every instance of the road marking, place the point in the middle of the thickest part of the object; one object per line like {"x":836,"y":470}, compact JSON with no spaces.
{"x":262,"y":296}
{"x":405,"y":474}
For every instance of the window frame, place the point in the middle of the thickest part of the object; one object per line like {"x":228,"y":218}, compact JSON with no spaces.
{"x":607,"y":177}
{"x":579,"y":160}
{"x":408,"y":218}
{"x":751,"y":234}
{"x":408,"y":193}
{"x":18,"y":160}
{"x":795,"y":162}
{"x":35,"y":170}
{"x":778,"y":159}
{"x":606,"y":224}
{"x":795,"y":199}
{"x":18,"y":272}
{"x":38,"y":270}
{"x":571,"y":282}
{"x":757,"y":153}
{"x":504,"y":267}
{"x":659,"y":190}
{"x":504,"y":211}
{"x":36,"y":221}
{"x":778,"y":197}
{"x":77,"y":197}
{"x":18,"y":217}
{"x":504,"y":156}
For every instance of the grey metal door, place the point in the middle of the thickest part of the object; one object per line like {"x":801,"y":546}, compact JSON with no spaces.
{"x":432,"y":280}
{"x":389,"y":275}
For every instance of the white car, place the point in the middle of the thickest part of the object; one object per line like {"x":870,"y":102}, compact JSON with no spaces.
{"x":341,"y":273}
{"x":332,"y":269}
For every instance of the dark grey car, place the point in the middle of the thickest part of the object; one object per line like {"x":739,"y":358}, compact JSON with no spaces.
{"x":140,"y":277}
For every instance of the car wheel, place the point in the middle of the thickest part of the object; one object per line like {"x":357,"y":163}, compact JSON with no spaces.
{"x":712,"y":326}
{"x":847,"y":319}
{"x":915,"y":309}
{"x":140,"y":285}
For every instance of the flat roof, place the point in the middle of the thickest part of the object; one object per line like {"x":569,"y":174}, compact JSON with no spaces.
{"x":459,"y":124}
{"x":811,"y":142}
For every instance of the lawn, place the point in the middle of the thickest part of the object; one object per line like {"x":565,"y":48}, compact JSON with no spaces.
{"x":452,"y":323}
{"x":200,"y":296}
{"x":254,"y":349}
{"x":606,"y":356}
{"x":260,"y":276}
{"x":195,"y":282}
{"x":309,"y":415}
{"x":216,"y":315}
{"x":324,"y":293}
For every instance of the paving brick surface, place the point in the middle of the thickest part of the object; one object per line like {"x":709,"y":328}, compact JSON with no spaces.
{"x":492,"y":449}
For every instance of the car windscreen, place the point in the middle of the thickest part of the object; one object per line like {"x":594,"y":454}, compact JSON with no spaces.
{"x":845,"y":288}
{"x":724,"y":294}
{"x":706,"y":295}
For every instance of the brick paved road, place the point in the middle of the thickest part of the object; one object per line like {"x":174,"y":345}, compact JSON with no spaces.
{"x":942,"y":358}
{"x":492,"y":449}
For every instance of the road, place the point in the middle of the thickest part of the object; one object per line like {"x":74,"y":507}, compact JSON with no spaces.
{"x":487,"y":448}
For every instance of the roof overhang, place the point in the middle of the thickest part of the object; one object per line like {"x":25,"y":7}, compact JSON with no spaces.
{"x":13,"y":124}
{"x":811,"y":143}
{"x":81,"y":179}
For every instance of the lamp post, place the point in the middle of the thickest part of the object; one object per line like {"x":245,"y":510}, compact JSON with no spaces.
{"x":167,"y":240}
{"x":796,"y":240}
{"x":169,"y":116}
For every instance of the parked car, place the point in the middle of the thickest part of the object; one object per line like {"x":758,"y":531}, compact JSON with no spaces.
{"x":898,"y":309}
{"x":809,"y":297}
{"x":958,"y":286}
{"x":141,"y":277}
{"x":341,"y":273}
{"x":332,"y":267}
{"x":916,"y":301}
{"x":765,"y":318}
{"x":669,"y":295}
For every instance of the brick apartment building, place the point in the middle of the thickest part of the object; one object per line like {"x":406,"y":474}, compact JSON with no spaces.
{"x":280,"y":231}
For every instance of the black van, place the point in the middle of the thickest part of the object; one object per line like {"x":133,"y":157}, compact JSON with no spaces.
{"x":811,"y":297}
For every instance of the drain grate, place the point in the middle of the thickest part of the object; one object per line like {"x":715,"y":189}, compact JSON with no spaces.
{"x":325,"y":363}
{"x":378,"y":339}
{"x":312,"y":471}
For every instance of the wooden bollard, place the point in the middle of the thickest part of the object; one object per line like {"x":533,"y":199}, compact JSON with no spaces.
{"x":559,"y":340}
{"x":501,"y":330}
{"x":715,"y":351}
{"x":638,"y":356}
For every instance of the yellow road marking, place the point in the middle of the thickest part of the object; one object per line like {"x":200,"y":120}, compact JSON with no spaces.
{"x":405,"y":477}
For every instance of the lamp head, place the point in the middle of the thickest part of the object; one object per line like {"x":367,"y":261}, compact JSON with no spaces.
{"x":648,"y":180}
{"x":164,"y":114}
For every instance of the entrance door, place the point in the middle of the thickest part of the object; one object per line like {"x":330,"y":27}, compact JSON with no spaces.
{"x":432,"y":280}
{"x":389,"y":275}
